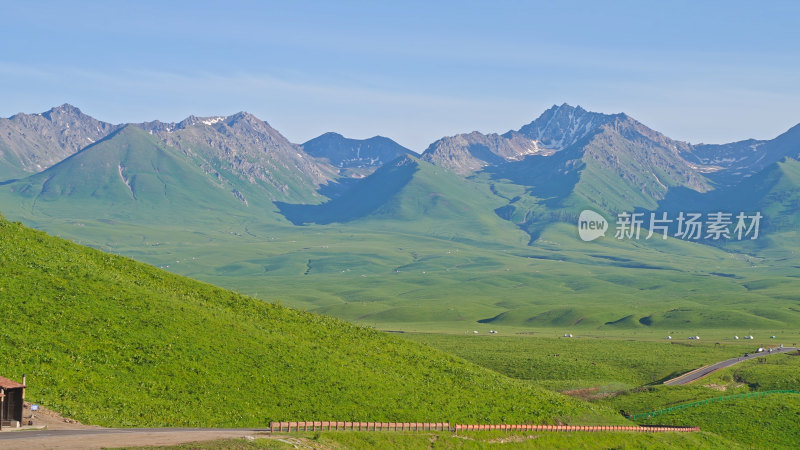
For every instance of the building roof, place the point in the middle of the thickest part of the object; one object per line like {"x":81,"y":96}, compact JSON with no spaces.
{"x":5,"y":383}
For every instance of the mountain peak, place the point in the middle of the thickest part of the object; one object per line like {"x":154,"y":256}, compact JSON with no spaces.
{"x":188,"y":122}
{"x":566,"y":107}
{"x":328,"y":136}
{"x":66,"y":107}
{"x":240,"y":117}
{"x":355,"y":157}
{"x":562,"y":126}
{"x":244,"y":116}
{"x":64,"y":110}
{"x":34,"y":142}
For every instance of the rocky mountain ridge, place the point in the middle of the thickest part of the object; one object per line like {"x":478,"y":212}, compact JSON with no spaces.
{"x":355,"y":157}
{"x":30,"y":143}
{"x":568,"y":155}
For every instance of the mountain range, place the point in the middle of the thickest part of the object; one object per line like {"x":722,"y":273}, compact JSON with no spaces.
{"x":567,"y":158}
{"x":231,"y":201}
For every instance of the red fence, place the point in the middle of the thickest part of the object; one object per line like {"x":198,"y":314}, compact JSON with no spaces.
{"x":359,"y":426}
{"x":445,"y":426}
{"x":505,"y":427}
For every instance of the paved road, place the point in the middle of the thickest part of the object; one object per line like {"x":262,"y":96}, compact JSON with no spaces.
{"x":118,"y":437}
{"x":703,"y":371}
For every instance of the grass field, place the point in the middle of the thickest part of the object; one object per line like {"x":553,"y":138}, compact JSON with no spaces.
{"x":624,"y":374}
{"x":110,"y":341}
{"x":581,"y":362}
{"x":759,"y":422}
{"x":406,"y":280}
{"x":773,"y":372}
{"x":767,"y":422}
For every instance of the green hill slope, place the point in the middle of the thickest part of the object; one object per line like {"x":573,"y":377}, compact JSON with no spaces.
{"x":767,"y":422}
{"x":245,"y":154}
{"x":409,"y":195}
{"x":129,"y":176}
{"x":775,"y":192}
{"x":110,"y":341}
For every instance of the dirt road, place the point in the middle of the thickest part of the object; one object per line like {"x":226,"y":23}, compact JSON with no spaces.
{"x":118,"y":437}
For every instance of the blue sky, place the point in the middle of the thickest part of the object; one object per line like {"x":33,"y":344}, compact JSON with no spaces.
{"x":413,"y":71}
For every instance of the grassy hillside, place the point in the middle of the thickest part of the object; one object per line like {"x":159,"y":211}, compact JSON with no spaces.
{"x":110,"y":341}
{"x":775,"y":192}
{"x":10,"y":166}
{"x":583,"y":362}
{"x":129,"y":176}
{"x":613,"y":371}
{"x":767,"y":422}
{"x":412,"y":196}
{"x":756,"y":422}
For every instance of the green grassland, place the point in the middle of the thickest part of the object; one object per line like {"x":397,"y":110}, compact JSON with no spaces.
{"x":401,"y":278}
{"x":757,"y":422}
{"x":767,"y":373}
{"x":772,"y":372}
{"x":110,"y":341}
{"x":579,"y":362}
{"x":767,"y":422}
{"x":625,"y":375}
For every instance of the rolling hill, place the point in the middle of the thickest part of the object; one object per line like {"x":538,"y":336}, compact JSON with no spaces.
{"x":412,"y":196}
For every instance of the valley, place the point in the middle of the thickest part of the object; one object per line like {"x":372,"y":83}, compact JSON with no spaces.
{"x":415,"y":246}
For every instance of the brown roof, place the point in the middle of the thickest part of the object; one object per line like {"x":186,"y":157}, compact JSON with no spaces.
{"x":5,"y":383}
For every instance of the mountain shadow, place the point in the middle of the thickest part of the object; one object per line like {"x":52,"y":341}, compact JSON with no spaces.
{"x":547,"y":177}
{"x":774,"y":192}
{"x":336,"y":188}
{"x":364,"y":198}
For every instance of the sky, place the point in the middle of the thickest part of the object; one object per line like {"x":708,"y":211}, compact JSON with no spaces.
{"x":708,"y":72}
